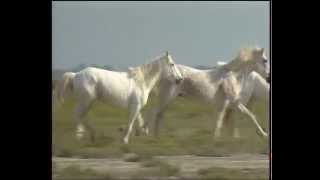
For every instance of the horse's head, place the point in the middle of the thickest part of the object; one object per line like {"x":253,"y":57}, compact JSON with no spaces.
{"x":170,"y":69}
{"x":257,"y":60}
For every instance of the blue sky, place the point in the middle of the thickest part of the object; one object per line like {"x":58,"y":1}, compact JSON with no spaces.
{"x":125,"y":34}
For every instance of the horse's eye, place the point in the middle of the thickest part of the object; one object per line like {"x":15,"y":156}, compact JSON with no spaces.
{"x":265,"y":61}
{"x":171,"y":64}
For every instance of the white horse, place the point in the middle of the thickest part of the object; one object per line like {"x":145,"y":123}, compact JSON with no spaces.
{"x":228,"y":86}
{"x":122,"y":89}
{"x":254,"y":88}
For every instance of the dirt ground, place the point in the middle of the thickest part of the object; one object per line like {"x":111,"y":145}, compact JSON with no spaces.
{"x":189,"y":165}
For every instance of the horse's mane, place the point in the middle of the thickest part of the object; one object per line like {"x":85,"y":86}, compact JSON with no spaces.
{"x":244,"y":55}
{"x":138,"y":72}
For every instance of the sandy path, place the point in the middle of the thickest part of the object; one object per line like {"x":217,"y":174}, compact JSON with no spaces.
{"x":189,"y":165}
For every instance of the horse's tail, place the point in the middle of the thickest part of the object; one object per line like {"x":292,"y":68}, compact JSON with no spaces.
{"x":65,"y":86}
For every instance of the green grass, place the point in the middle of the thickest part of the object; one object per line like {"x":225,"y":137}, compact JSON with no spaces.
{"x":233,"y":174}
{"x":187,"y":129}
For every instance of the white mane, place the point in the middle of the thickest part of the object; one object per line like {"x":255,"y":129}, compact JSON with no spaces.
{"x":244,"y":55}
{"x":138,"y":73}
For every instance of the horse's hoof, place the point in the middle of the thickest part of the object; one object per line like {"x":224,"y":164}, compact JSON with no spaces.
{"x":258,"y":132}
{"x":79,"y":136}
{"x":126,"y":141}
{"x":146,"y":132}
{"x":265,"y":135}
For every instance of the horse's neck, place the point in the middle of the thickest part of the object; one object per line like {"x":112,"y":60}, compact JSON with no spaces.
{"x":241,"y":73}
{"x":151,"y":75}
{"x":239,"y":69}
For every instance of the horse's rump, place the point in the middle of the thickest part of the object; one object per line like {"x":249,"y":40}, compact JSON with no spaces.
{"x":65,"y":86}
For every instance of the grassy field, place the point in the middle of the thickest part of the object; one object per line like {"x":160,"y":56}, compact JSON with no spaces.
{"x":187,"y":129}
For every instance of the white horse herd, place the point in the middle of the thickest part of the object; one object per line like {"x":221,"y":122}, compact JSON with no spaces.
{"x":227,"y":88}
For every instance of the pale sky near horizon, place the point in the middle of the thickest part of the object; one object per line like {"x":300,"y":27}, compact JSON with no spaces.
{"x":124,"y":34}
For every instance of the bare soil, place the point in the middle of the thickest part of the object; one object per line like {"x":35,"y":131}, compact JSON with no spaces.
{"x":189,"y":165}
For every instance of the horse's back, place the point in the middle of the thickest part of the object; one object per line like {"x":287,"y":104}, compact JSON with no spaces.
{"x":108,"y":86}
{"x":188,"y":70}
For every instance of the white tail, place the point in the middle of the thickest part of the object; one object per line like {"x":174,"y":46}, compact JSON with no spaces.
{"x":65,"y":86}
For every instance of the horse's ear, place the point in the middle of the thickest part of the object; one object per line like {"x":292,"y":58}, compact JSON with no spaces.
{"x":244,"y":56}
{"x":167,"y":53}
{"x":260,"y":51}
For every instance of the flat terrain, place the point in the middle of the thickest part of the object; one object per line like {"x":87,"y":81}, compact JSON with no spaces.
{"x":184,"y":148}
{"x":189,"y":166}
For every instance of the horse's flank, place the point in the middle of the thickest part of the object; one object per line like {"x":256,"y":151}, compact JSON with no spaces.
{"x":65,"y":86}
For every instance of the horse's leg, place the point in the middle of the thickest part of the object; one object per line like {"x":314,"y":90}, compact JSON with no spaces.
{"x":133,"y":114}
{"x":231,"y":89}
{"x":229,"y":124}
{"x":158,"y":120}
{"x":247,"y":112}
{"x":154,"y":115}
{"x":168,"y":93}
{"x":142,"y":125}
{"x":221,"y":115}
{"x":233,"y":130}
{"x":147,"y":119}
{"x":85,"y":98}
{"x":261,"y":92}
{"x":255,"y":89}
{"x":244,"y":95}
{"x":91,"y":130}
{"x":81,"y":111}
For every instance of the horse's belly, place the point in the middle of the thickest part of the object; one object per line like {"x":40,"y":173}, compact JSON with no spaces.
{"x":115,"y":97}
{"x":115,"y":93}
{"x":204,"y":93}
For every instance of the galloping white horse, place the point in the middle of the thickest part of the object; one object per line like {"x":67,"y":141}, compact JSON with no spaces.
{"x":228,"y":86}
{"x":254,"y":88}
{"x":122,"y":89}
